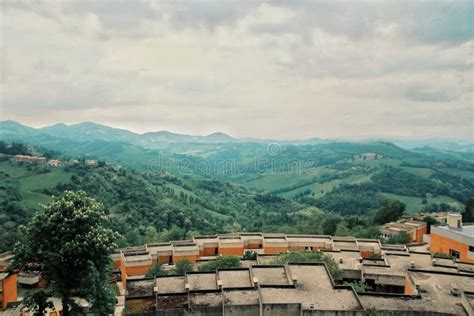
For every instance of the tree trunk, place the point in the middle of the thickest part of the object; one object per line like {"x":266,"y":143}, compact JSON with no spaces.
{"x":65,"y":303}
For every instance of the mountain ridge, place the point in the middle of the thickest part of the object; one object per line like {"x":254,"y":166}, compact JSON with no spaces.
{"x":97,"y":131}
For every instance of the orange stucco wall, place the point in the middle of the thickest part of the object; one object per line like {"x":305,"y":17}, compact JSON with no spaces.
{"x":137,"y":270}
{"x":409,"y":289}
{"x":163,"y":259}
{"x":296,"y":247}
{"x":443,"y":245}
{"x":123,"y":273}
{"x":419,"y":234}
{"x":254,"y":245}
{"x":208,"y":251}
{"x":9,"y":294}
{"x":366,"y":254}
{"x":235,"y":251}
{"x":190,"y":258}
{"x":273,"y":250}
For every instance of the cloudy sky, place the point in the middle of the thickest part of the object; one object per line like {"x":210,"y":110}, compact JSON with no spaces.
{"x":275,"y":69}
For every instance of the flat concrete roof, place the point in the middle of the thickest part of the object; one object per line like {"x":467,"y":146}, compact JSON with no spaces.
{"x":271,"y":275}
{"x":466,"y":230}
{"x":314,"y":289}
{"x":140,"y":287}
{"x":241,"y":297}
{"x":350,"y":259}
{"x":235,"y":278}
{"x":173,"y":284}
{"x":201,"y":281}
{"x":205,"y":299}
{"x":436,"y":288}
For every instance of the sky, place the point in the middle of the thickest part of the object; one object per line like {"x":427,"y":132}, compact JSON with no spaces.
{"x":268,"y":69}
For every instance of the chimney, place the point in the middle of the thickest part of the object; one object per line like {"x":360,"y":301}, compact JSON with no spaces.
{"x":219,"y":284}
{"x":255,"y":281}
{"x":341,"y":260}
{"x":412,"y":264}
{"x":454,"y":220}
{"x":295,"y":282}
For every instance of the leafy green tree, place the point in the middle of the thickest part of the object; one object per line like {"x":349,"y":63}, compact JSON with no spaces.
{"x":401,"y":238}
{"x":468,"y":213}
{"x":305,"y":256}
{"x":156,"y":270}
{"x":342,"y":229}
{"x":249,"y":255}
{"x":38,"y":301}
{"x":429,"y":222}
{"x":222,"y":262}
{"x":183,"y":266}
{"x":389,"y":211}
{"x":71,"y":242}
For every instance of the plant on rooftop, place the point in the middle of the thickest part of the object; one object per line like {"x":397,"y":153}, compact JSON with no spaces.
{"x":401,"y":238}
{"x":183,"y":266}
{"x":71,"y":242}
{"x":298,"y":256}
{"x":358,"y":286}
{"x":156,"y":270}
{"x":222,"y":262}
{"x":249,"y":255}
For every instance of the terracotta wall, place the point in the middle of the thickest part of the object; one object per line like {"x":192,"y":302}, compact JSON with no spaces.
{"x":137,"y":270}
{"x":163,"y":259}
{"x":235,"y":251}
{"x":443,"y":245}
{"x":275,"y":250}
{"x":296,"y":247}
{"x":9,"y":294}
{"x":256,"y":245}
{"x":419,"y":234}
{"x":190,"y":258}
{"x":409,"y":288}
{"x":366,"y":254}
{"x":123,"y":273}
{"x":208,"y":251}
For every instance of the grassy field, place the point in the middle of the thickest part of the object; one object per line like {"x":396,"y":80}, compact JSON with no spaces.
{"x":274,"y":181}
{"x":414,"y":204}
{"x":32,"y":183}
{"x":320,"y":189}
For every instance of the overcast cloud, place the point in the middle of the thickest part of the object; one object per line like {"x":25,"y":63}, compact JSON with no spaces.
{"x":276,"y":69}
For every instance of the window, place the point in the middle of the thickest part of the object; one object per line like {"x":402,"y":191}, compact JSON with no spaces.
{"x":454,"y":253}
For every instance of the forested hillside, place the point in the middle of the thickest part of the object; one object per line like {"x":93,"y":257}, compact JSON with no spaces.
{"x":163,"y":186}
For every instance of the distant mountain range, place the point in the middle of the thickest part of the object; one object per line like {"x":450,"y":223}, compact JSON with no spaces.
{"x":89,"y":131}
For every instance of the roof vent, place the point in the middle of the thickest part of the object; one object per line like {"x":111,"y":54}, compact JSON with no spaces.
{"x":255,"y":281}
{"x":456,"y":292}
{"x":311,"y":306}
{"x":341,"y":260}
{"x":412,"y":264}
{"x":295,"y":282}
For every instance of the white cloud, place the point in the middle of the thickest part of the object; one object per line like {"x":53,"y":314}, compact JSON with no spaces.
{"x":269,"y":69}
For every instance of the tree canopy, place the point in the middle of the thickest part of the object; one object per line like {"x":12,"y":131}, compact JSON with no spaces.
{"x":69,"y":240}
{"x":389,"y":211}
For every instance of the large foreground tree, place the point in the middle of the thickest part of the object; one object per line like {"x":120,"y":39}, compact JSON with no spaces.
{"x":71,"y":243}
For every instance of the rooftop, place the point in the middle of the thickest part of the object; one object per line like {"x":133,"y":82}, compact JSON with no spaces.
{"x":466,"y":230}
